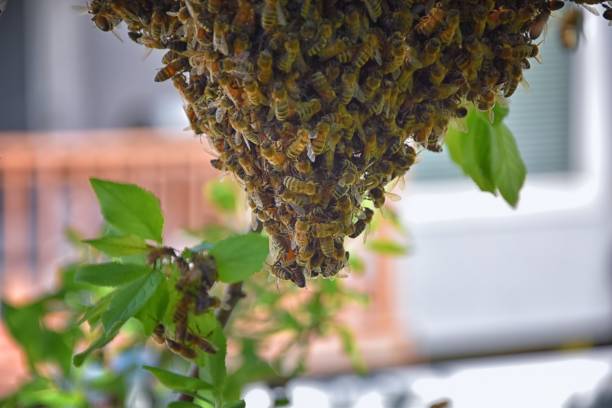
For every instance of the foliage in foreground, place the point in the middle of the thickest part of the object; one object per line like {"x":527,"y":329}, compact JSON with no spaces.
{"x":108,"y":309}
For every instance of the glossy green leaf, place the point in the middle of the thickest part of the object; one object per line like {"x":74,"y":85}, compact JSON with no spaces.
{"x":509,"y":169}
{"x":178,"y":382}
{"x":130,"y":209}
{"x":240,"y":256}
{"x":119,"y":245}
{"x":386,"y":247}
{"x":128,"y":299}
{"x":110,"y":274}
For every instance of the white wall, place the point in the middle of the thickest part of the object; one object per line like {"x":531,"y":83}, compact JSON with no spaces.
{"x":483,"y":277}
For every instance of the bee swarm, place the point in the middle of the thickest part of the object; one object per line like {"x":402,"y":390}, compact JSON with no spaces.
{"x":316,"y":105}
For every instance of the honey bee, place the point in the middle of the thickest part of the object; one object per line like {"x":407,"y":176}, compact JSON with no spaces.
{"x":324,"y":35}
{"x":319,"y":142}
{"x":499,"y":16}
{"x":361,"y":224}
{"x":254,"y":95}
{"x":327,"y":246}
{"x":367,"y":50}
{"x":175,"y":67}
{"x":326,"y":229}
{"x":214,"y":6}
{"x":432,"y":21}
{"x":157,"y":255}
{"x":451,"y":31}
{"x":159,"y":334}
{"x":292,"y":47}
{"x":264,"y":65}
{"x":201,"y":343}
{"x":299,"y":144}
{"x":298,"y":186}
{"x":281,"y":102}
{"x":241,"y":46}
{"x":273,"y":155}
{"x":308,"y":109}
{"x":397,"y":54}
{"x":374,"y":8}
{"x":323,"y":87}
{"x":431,"y":52}
{"x":306,"y":9}
{"x":272,"y":15}
{"x":180,"y":349}
{"x":305,"y":254}
{"x":371,"y":85}
{"x":301,"y":233}
{"x":245,"y":16}
{"x":303,"y":165}
{"x":290,"y":273}
{"x":220,"y":30}
{"x":607,"y":14}
{"x":336,"y":48}
{"x":571,"y":28}
{"x":349,"y":86}
{"x":181,"y":316}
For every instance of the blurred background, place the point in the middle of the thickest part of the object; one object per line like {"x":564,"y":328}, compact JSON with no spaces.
{"x":491,"y":307}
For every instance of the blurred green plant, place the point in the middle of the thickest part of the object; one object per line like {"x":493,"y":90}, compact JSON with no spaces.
{"x":113,"y":305}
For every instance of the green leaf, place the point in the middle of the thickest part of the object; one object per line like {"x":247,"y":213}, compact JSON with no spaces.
{"x":24,"y":325}
{"x":222,"y":194}
{"x":471,"y":151}
{"x":500,"y":111}
{"x":240,"y":256}
{"x":119,"y":245}
{"x":106,"y":337}
{"x":213,"y":369}
{"x":130,"y":209}
{"x":183,"y":404}
{"x":110,"y":274}
{"x":387,"y":247}
{"x":235,"y":404}
{"x":509,"y":169}
{"x":154,"y":310}
{"x":128,"y":299}
{"x":94,"y":312}
{"x":178,"y":382}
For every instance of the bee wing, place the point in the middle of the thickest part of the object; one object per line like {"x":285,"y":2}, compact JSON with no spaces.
{"x":591,"y":9}
{"x":460,"y":124}
{"x":282,"y":20}
{"x":77,"y":8}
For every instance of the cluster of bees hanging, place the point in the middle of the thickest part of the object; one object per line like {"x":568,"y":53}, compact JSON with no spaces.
{"x":316,"y":105}
{"x":198,"y":274}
